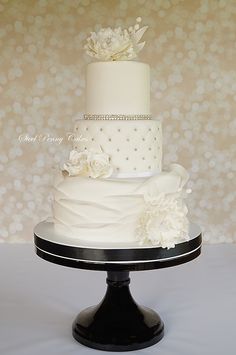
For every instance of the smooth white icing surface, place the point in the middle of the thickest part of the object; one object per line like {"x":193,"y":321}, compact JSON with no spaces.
{"x":109,"y":210}
{"x":134,"y":146}
{"x":118,"y":87}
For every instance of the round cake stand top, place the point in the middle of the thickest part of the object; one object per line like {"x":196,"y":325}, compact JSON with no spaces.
{"x":133,"y":257}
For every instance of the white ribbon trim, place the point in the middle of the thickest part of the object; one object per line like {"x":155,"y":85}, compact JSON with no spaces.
{"x":134,"y":175}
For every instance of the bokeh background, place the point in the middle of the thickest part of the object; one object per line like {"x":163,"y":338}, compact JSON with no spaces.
{"x":190,"y":46}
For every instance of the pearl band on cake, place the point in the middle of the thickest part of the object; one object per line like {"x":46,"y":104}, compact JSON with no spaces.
{"x":117,"y":117}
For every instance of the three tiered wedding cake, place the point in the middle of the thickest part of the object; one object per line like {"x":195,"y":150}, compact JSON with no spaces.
{"x":112,"y":189}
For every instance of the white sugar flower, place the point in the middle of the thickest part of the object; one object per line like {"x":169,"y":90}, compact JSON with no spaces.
{"x":99,"y":166}
{"x":90,"y":164}
{"x":116,"y":44}
{"x":75,"y":157}
{"x":77,"y":164}
{"x":164,"y":223}
{"x":164,"y":220}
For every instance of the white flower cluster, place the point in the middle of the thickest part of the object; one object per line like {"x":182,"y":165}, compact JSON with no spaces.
{"x":164,"y":220}
{"x":85,"y":163}
{"x":116,"y":44}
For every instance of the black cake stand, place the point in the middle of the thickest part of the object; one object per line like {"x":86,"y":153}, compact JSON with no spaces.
{"x":117,"y":323}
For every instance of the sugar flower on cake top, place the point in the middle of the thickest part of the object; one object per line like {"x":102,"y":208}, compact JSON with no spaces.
{"x":116,"y":44}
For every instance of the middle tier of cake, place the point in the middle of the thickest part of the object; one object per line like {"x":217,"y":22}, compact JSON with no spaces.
{"x":134,"y":146}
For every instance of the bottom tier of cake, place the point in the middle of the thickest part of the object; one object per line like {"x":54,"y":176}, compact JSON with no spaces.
{"x":146,"y":210}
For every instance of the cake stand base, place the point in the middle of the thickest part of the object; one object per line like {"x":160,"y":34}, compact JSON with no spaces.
{"x":117,"y":323}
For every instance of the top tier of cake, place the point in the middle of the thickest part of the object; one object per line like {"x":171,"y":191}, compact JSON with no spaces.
{"x":118,"y":87}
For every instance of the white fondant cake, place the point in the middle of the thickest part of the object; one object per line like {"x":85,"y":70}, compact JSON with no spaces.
{"x":112,"y":188}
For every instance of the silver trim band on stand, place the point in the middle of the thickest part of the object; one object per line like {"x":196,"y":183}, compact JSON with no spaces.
{"x":121,"y":262}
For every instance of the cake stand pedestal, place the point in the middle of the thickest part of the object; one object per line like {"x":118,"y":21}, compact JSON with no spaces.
{"x":117,"y":323}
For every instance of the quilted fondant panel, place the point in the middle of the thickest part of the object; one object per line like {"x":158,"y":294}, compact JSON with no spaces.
{"x":135,"y":146}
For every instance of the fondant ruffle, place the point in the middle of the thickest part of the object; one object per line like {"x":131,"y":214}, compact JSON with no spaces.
{"x":146,"y":210}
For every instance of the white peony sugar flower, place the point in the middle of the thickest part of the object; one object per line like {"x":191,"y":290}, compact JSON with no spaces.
{"x":116,"y":44}
{"x":164,"y":221}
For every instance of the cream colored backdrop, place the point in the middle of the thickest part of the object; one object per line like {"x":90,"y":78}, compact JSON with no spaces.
{"x":190,"y":46}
